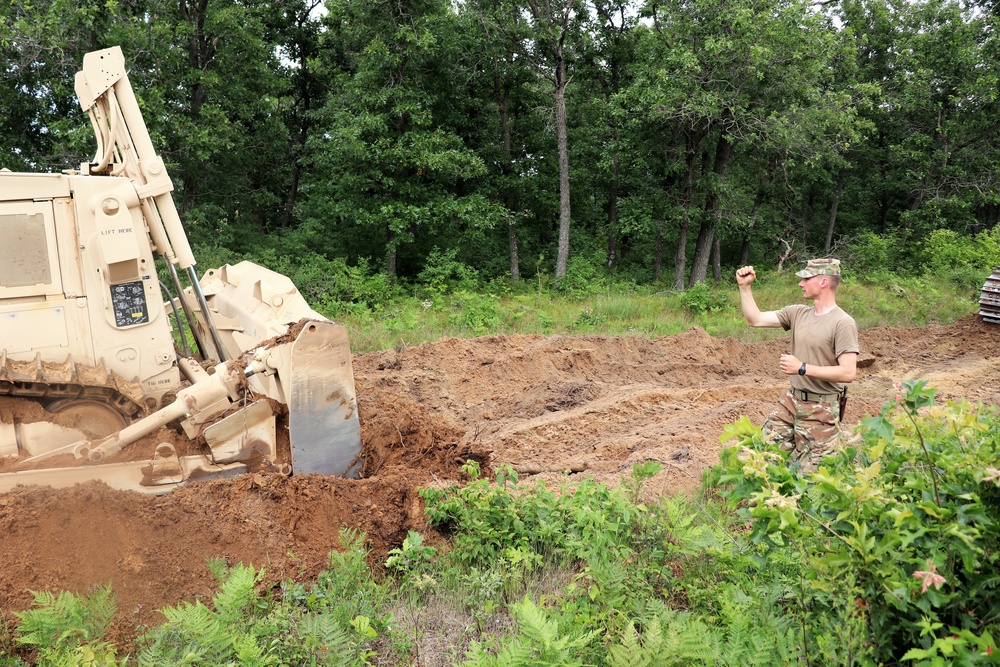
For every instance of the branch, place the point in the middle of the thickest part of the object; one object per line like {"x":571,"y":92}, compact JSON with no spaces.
{"x":786,"y":255}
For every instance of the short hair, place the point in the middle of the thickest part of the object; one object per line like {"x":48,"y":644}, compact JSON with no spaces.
{"x":834,"y":281}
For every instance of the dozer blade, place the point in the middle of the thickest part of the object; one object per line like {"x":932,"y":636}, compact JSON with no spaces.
{"x":323,"y":409}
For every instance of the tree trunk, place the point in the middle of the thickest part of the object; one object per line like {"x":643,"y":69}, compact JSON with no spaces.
{"x":562,"y":259}
{"x":303,"y":104}
{"x":833,"y":211}
{"x":807,"y":214}
{"x":687,"y":197}
{"x":200,"y":54}
{"x":716,"y":259}
{"x":702,"y":249}
{"x":706,"y":234}
{"x":612,"y":249}
{"x":658,"y":256}
{"x":391,"y":252}
{"x":515,"y":271}
{"x":758,"y":201}
{"x":613,"y":216}
{"x":509,"y":197}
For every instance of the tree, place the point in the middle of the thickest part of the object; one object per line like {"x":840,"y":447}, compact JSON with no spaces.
{"x":610,"y":59}
{"x":724,"y":71}
{"x":554,"y":27}
{"x":503,"y":82}
{"x":386,"y":159}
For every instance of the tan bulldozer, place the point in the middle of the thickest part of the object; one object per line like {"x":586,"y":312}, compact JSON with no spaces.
{"x":97,"y":381}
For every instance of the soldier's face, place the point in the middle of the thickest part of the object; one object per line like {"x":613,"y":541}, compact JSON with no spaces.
{"x":811,"y":286}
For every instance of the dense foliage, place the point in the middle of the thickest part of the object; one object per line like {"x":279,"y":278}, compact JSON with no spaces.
{"x":657,"y":140}
{"x":906,"y":520}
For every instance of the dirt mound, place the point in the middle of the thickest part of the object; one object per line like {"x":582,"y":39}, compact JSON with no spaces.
{"x":592,"y":406}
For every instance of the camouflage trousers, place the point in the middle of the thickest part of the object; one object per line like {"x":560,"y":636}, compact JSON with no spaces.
{"x":807,"y":430}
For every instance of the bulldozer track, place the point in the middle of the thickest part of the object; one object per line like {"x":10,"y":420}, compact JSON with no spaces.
{"x":989,"y":299}
{"x":51,"y":381}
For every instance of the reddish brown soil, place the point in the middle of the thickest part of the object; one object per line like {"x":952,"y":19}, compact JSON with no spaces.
{"x":593,"y":406}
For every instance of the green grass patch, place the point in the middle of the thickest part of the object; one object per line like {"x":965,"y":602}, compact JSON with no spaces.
{"x":627,"y":310}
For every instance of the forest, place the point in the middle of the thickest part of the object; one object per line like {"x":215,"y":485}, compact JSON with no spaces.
{"x":655,"y":140}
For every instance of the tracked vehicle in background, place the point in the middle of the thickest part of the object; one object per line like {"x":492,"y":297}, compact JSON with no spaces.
{"x":989,"y":299}
{"x":94,"y":383}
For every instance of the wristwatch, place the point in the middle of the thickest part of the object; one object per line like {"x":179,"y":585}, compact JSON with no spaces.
{"x":802,"y":368}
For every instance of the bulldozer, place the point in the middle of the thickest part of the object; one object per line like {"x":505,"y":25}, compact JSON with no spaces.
{"x":98,"y":297}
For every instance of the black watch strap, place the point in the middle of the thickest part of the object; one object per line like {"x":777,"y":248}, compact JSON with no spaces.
{"x":802,"y":368}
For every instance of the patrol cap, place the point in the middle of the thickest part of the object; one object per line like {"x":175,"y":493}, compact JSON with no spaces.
{"x":820,"y":267}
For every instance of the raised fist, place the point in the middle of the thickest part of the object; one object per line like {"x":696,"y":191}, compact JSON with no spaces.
{"x":745,"y":275}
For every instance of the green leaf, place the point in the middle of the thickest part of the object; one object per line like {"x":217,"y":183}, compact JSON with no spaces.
{"x":879,"y":426}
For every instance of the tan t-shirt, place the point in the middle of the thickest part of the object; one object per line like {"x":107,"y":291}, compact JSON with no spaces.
{"x":819,"y":340}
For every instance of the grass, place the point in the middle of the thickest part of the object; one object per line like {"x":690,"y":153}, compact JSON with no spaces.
{"x":628,"y":310}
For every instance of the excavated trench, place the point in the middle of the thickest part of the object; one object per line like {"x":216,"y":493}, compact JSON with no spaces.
{"x":550,"y":406}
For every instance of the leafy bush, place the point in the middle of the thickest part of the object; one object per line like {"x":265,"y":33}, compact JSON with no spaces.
{"x":906,"y":518}
{"x":335,"y":286}
{"x":489,"y":522}
{"x":587,"y":320}
{"x":540,"y":642}
{"x":700,"y":299}
{"x":875,"y":255}
{"x":478,"y":314}
{"x":443,"y":274}
{"x":966,"y":260}
{"x":585,"y":275}
{"x":244,"y":629}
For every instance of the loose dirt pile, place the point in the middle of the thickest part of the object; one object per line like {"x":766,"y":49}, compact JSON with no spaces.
{"x":550,"y":406}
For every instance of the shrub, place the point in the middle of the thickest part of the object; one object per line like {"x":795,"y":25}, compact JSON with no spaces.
{"x":701,"y":299}
{"x":874,"y":254}
{"x":68,"y":629}
{"x":480,"y":314}
{"x":331,"y":286}
{"x":584,"y":275}
{"x":908,"y":516}
{"x":443,"y":274}
{"x":965,"y":260}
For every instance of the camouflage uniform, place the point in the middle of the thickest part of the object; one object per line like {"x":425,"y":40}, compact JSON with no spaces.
{"x":806,"y":422}
{"x":807,"y":430}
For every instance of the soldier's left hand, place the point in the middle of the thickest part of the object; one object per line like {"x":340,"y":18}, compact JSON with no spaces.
{"x":789,"y":364}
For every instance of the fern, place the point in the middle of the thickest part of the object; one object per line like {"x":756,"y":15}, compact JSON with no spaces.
{"x":325,"y":638}
{"x":237,"y":593}
{"x":66,"y":621}
{"x":100,"y":654}
{"x":248,"y":652}
{"x":754,"y":634}
{"x":194,"y":633}
{"x":671,"y":638}
{"x":539,"y":643}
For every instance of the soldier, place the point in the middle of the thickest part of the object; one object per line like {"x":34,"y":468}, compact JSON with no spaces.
{"x":823,"y":360}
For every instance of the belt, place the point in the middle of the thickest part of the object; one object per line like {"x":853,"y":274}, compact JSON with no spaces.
{"x":812,"y":397}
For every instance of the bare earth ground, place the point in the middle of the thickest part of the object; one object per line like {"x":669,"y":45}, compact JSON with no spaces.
{"x":593,"y":406}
